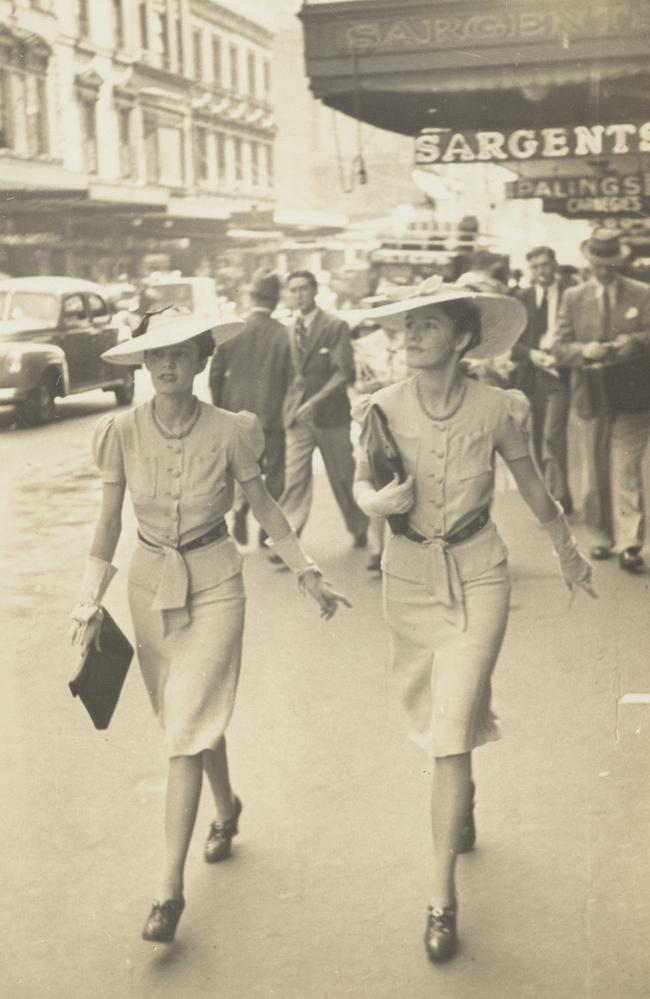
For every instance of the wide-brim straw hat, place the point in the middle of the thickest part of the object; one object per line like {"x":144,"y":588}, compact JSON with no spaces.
{"x":604,"y":246}
{"x":503,"y":319}
{"x":168,"y":328}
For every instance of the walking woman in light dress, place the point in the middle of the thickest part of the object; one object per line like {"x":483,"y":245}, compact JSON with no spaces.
{"x":446,"y":585}
{"x":179,"y":459}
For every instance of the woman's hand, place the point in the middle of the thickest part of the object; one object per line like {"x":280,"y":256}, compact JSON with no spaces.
{"x":396,"y":497}
{"x":323,"y":594}
{"x":576,"y":573}
{"x":85,"y":628}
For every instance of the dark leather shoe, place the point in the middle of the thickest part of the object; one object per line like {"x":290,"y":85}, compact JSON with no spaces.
{"x":374,"y":563}
{"x":360,"y":540}
{"x":467,"y":839}
{"x":601,"y":552}
{"x":220,"y":837}
{"x":631,"y":560}
{"x":440,"y":935}
{"x":161,"y":925}
{"x":240,"y":527}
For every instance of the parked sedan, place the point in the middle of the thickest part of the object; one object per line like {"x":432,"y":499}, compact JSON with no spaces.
{"x":53,"y":331}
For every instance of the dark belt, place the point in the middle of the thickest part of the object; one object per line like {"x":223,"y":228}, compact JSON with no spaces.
{"x":218,"y":531}
{"x":463,"y":534}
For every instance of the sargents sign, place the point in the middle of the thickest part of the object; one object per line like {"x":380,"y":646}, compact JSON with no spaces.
{"x":444,"y":145}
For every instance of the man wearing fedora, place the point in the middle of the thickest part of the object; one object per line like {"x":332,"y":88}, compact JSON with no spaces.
{"x":252,"y":372}
{"x":317,"y":409}
{"x":537,"y":375}
{"x":606,"y":320}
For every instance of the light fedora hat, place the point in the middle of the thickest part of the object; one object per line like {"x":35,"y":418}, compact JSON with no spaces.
{"x":503,"y":319}
{"x":167,"y":328}
{"x":604,"y":246}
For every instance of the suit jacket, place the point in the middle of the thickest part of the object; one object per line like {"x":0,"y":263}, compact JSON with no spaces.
{"x":328,"y":351}
{"x":253,"y":370}
{"x":580,"y":321}
{"x":525,"y":373}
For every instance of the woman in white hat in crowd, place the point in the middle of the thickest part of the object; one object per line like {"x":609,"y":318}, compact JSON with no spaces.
{"x":179,"y":459}
{"x":446,"y":582}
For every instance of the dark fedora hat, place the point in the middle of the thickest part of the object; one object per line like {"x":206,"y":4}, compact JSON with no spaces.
{"x":604,"y":246}
{"x":266,"y":285}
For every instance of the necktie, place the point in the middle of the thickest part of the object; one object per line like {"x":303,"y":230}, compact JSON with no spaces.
{"x":301,"y":335}
{"x":607,"y":316}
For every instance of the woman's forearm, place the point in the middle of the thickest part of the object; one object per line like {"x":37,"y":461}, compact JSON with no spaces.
{"x":532,"y":489}
{"x":106,"y":537}
{"x":265,"y":510}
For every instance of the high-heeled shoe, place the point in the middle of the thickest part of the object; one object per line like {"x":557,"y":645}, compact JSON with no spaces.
{"x":220,"y":836}
{"x":162,"y":921}
{"x":440,"y":934}
{"x":467,"y":838}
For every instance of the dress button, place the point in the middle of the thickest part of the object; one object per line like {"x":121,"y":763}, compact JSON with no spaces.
{"x":439,"y":506}
{"x":440,"y":454}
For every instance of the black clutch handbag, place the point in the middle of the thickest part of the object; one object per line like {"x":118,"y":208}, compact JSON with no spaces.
{"x":102,"y":673}
{"x":384,"y":459}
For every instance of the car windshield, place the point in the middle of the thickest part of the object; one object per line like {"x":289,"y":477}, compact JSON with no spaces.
{"x":29,"y":305}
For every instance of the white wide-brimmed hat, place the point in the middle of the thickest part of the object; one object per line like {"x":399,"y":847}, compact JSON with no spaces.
{"x":167,"y":328}
{"x":503,"y":319}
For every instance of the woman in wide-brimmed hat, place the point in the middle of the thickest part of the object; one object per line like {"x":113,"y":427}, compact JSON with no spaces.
{"x":180,"y":458}
{"x":445,"y":579}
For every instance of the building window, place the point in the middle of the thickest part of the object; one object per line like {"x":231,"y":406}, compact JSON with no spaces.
{"x":267,"y":79}
{"x":171,"y":151}
{"x":160,"y":34}
{"x":201,"y":154}
{"x":89,"y":134}
{"x":239,"y":161}
{"x":83,"y":18}
{"x":234,"y":68}
{"x":197,"y":53}
{"x":118,"y":22}
{"x":255,"y":164}
{"x":144,"y":24}
{"x":125,"y":141}
{"x":180,"y":51}
{"x":23,"y":113}
{"x":216,"y":60}
{"x":252,"y":74}
{"x":270,"y":166}
{"x":220,"y":140}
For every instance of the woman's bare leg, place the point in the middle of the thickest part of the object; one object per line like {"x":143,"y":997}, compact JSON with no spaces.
{"x":215,"y":764}
{"x":183,"y":794}
{"x":450,"y":801}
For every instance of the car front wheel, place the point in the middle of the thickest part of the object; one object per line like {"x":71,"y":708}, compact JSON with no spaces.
{"x":124,"y":394}
{"x":39,"y":407}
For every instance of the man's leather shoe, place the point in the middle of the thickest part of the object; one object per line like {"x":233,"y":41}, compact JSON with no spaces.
{"x":601,"y":552}
{"x":631,"y":560}
{"x":220,"y":837}
{"x":161,"y":924}
{"x":374,"y":563}
{"x":440,"y":934}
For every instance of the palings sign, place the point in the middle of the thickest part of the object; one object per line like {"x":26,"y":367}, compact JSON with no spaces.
{"x":444,"y":145}
{"x":587,"y":197}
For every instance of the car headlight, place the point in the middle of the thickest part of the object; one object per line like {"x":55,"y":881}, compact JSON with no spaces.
{"x":13,"y":361}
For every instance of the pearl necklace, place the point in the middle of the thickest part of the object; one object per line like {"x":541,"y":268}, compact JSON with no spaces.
{"x":437,"y":416}
{"x":184,"y":431}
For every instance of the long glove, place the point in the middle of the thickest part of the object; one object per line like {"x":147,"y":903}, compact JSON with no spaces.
{"x":87,"y":614}
{"x":290,"y":551}
{"x":576,"y":570}
{"x":396,"y":497}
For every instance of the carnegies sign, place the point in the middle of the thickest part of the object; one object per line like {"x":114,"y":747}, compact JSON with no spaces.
{"x":444,"y":145}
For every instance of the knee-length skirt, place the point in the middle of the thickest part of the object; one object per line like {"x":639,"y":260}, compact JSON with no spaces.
{"x":191,"y":673}
{"x":444,"y":661}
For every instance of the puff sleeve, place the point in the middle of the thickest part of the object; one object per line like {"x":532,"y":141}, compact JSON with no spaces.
{"x":514,"y":426}
{"x":246,"y":447}
{"x":107,"y":451}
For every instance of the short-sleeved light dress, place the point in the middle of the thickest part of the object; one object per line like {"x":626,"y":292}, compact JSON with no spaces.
{"x":187,"y":609}
{"x":447,"y":605}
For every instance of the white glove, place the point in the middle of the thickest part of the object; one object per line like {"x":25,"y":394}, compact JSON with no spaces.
{"x":290,"y":551}
{"x":576,"y":570}
{"x":396,"y":497}
{"x":87,"y":614}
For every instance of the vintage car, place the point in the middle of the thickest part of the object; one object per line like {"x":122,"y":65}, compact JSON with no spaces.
{"x":53,"y":331}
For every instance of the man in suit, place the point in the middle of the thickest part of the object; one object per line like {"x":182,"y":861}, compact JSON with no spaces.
{"x":252,"y":371}
{"x":537,"y":374}
{"x":608,"y":319}
{"x":317,"y":409}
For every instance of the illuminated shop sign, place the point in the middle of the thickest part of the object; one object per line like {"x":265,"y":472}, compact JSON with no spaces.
{"x":444,"y":145}
{"x":587,"y":197}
